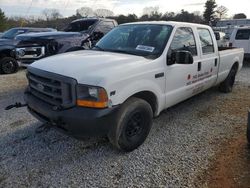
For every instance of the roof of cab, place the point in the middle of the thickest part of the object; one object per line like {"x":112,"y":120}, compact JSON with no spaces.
{"x":172,"y":23}
{"x":91,"y":19}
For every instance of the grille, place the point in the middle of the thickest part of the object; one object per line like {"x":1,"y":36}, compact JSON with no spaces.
{"x":52,"y":88}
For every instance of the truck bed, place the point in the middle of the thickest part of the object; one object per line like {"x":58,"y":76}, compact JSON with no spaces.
{"x":225,"y":48}
{"x":228,"y":57}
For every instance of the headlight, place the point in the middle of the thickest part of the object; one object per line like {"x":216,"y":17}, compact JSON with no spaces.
{"x":30,"y":52}
{"x":94,"y":97}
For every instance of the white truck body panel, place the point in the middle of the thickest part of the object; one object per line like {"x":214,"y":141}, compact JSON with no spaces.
{"x":130,"y":74}
{"x":240,"y":38}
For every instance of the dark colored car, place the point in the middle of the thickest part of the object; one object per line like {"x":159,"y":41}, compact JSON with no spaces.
{"x":79,"y":35}
{"x":8,"y":63}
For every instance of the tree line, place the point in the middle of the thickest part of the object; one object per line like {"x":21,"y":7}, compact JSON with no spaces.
{"x":52,"y":17}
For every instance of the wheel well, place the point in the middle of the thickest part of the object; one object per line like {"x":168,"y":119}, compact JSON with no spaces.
{"x":235,"y":66}
{"x":150,"y":98}
{"x":5,"y":53}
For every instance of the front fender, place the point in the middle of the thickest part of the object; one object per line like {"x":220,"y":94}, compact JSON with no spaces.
{"x":140,"y":86}
{"x":7,"y":50}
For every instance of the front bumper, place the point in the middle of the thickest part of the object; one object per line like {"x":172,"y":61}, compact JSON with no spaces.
{"x":26,"y":63}
{"x":77,"y":121}
{"x":27,"y":55}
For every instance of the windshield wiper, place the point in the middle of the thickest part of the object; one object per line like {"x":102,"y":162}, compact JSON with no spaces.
{"x":124,"y":52}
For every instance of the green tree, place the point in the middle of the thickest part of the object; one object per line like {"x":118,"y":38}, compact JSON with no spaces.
{"x":3,"y":21}
{"x":240,"y":16}
{"x":209,"y":13}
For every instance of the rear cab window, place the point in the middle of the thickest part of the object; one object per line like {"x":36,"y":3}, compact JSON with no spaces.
{"x":206,"y":41}
{"x":243,"y":34}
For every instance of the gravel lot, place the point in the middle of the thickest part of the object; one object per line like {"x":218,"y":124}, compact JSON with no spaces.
{"x":182,"y":143}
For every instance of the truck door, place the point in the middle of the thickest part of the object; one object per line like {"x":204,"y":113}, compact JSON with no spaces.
{"x":180,"y":77}
{"x":242,"y":39}
{"x":207,"y":72}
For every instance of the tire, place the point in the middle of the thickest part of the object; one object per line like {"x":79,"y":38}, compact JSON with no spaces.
{"x":227,"y":85}
{"x":8,"y":65}
{"x":134,"y":121}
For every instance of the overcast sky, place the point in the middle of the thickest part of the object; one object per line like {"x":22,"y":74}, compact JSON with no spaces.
{"x":68,"y":7}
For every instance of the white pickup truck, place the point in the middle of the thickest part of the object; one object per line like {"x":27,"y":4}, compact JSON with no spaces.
{"x":135,"y":72}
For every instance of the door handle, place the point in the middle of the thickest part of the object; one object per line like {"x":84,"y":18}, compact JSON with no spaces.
{"x":215,"y":62}
{"x":199,"y":66}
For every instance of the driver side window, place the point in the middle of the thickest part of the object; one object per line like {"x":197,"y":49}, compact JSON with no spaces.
{"x":183,"y":41}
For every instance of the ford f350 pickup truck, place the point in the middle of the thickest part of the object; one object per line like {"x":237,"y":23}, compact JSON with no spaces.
{"x":132,"y":74}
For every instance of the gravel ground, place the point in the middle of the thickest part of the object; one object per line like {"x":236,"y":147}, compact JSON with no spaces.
{"x":180,"y":147}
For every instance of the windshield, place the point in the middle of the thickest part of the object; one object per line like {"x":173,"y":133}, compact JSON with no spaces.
{"x":12,"y":33}
{"x":80,"y":26}
{"x":146,"y":40}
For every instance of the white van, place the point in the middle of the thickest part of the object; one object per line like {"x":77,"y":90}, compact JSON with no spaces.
{"x":240,"y":38}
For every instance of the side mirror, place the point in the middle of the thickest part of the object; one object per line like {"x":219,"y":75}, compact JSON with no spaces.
{"x":181,"y":57}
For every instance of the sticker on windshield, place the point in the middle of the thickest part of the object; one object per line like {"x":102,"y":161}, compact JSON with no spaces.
{"x":145,"y":48}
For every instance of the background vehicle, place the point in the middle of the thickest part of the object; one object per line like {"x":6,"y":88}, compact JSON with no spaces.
{"x":8,"y":63}
{"x":132,"y":74}
{"x":240,"y":38}
{"x":221,"y":39}
{"x":80,"y":34}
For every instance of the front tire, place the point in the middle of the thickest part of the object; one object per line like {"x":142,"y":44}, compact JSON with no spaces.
{"x":134,"y":121}
{"x":8,"y":65}
{"x":227,"y":85}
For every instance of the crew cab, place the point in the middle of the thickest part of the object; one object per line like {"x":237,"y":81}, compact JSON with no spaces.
{"x":78,"y":35}
{"x":132,"y":74}
{"x":240,"y":38}
{"x":8,"y":63}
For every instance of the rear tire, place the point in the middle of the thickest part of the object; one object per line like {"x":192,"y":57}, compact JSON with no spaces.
{"x":8,"y":65}
{"x":227,"y":85}
{"x":134,"y":121}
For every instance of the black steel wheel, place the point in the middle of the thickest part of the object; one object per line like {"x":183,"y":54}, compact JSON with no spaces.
{"x":134,"y":122}
{"x":8,"y":65}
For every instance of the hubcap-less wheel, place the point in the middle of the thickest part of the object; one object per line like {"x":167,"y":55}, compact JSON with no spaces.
{"x":134,"y":126}
{"x":8,"y":65}
{"x":134,"y":120}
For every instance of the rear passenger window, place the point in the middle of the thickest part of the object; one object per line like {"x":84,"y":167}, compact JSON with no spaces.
{"x":206,"y":41}
{"x":243,"y":34}
{"x":183,"y":40}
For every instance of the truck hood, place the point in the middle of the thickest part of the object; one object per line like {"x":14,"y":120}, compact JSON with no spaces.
{"x":48,"y":35}
{"x":90,"y":66}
